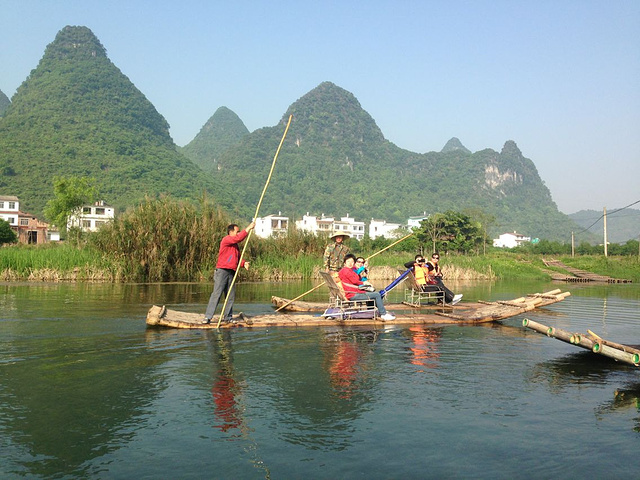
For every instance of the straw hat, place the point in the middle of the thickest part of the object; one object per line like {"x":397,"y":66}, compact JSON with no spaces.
{"x":339,"y":233}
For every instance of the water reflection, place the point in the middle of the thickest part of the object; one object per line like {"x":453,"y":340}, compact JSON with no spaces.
{"x":72,"y":401}
{"x":424,"y":346}
{"x":581,"y":367}
{"x":348,"y":354}
{"x":86,"y":390}
{"x":314,"y":384}
{"x":226,"y":389}
{"x":627,"y":397}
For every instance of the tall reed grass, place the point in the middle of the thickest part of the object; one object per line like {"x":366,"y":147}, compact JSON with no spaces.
{"x":165,"y":239}
{"x":56,"y":262}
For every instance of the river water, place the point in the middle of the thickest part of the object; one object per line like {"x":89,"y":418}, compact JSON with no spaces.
{"x":87,"y":391}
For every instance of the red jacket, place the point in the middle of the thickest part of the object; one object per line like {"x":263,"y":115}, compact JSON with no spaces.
{"x":229,"y":253}
{"x":350,"y":281}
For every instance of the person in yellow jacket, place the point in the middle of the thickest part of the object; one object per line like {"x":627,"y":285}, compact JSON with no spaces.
{"x":429,"y":277}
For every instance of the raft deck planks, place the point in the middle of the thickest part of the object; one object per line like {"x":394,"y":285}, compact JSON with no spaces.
{"x":463,"y":313}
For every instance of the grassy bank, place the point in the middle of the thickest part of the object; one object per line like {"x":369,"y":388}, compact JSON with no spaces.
{"x":621,"y":267}
{"x":164,"y":240}
{"x":57,"y":262}
{"x":64,"y":262}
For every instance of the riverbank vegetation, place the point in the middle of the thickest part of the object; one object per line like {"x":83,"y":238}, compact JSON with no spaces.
{"x":168,"y":240}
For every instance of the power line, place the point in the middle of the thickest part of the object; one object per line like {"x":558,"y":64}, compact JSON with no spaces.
{"x":602,"y":216}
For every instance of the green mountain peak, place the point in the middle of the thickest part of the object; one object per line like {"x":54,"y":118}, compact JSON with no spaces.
{"x":332,"y":113}
{"x":223,"y":130}
{"x":454,"y":145}
{"x":77,"y":114}
{"x":75,"y":43}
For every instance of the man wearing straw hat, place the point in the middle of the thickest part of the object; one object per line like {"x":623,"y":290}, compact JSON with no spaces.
{"x":335,"y":252}
{"x":228,"y":258}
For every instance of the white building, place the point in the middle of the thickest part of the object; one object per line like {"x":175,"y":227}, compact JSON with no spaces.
{"x":415,"y":221}
{"x":272,"y":225}
{"x":9,"y":209}
{"x":351,"y":226}
{"x":90,"y":218}
{"x":329,"y":225}
{"x":510,"y":240}
{"x":380,"y":228}
{"x":316,"y":225}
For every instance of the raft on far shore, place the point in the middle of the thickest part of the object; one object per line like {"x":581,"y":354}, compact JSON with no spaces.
{"x":624,"y":353}
{"x":462,"y":314}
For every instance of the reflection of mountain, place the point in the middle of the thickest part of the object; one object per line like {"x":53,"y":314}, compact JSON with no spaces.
{"x":73,"y":400}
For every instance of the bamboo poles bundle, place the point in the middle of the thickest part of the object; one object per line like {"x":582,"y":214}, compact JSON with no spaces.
{"x":590,"y":341}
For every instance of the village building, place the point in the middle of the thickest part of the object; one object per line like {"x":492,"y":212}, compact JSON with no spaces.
{"x":329,"y":225}
{"x":272,"y":226}
{"x":510,"y":240}
{"x":28,"y":228}
{"x":89,"y":218}
{"x":381,"y":228}
{"x":316,"y":225}
{"x":414,"y":222}
{"x":9,"y":209}
{"x":351,"y":226}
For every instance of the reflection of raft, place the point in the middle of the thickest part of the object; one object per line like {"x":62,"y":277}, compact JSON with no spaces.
{"x":590,"y":341}
{"x":463,"y":313}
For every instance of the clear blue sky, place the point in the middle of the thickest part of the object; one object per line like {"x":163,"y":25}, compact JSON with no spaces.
{"x":561,"y":78}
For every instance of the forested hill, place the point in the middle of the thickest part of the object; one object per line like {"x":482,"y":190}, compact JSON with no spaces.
{"x":223,"y":130}
{"x":78,"y":114}
{"x":622,"y":225}
{"x":336,"y":161}
{"x":4,"y":103}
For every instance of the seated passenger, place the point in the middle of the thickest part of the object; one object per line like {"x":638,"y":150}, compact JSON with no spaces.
{"x":429,"y":277}
{"x":361,"y":268}
{"x":351,"y":284}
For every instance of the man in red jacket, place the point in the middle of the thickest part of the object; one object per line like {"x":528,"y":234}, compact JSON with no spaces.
{"x":228,"y":258}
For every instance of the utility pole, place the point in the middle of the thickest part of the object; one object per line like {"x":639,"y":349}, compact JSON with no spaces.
{"x":605,"y":231}
{"x":573,"y":246}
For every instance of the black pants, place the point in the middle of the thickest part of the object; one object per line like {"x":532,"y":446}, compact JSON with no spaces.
{"x":439,"y":287}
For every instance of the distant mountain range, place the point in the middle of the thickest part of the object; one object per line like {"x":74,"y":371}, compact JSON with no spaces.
{"x":622,"y":225}
{"x":77,"y":114}
{"x":337,"y":161}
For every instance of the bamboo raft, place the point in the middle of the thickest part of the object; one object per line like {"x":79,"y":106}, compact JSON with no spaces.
{"x":461,"y":314}
{"x":589,"y":341}
{"x":577,"y":275}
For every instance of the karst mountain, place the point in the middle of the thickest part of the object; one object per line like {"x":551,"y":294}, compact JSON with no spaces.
{"x":77,"y":114}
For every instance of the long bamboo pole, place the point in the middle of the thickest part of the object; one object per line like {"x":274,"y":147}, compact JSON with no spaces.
{"x":244,"y":248}
{"x":320,"y":284}
{"x":389,"y":246}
